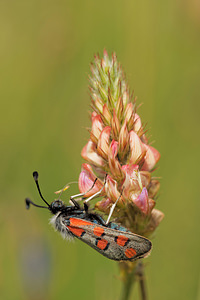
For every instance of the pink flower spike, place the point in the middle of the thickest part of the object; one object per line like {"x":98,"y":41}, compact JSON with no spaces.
{"x":86,"y":180}
{"x":89,"y":154}
{"x":142,"y":201}
{"x":119,"y":154}
{"x":137,"y":148}
{"x":151,"y":158}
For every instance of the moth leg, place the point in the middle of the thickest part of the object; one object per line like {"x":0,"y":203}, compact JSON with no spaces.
{"x":112,"y":208}
{"x":100,"y":220}
{"x":85,"y":207}
{"x":75,"y":203}
{"x":93,"y":216}
{"x":83,"y":194}
{"x":97,"y":193}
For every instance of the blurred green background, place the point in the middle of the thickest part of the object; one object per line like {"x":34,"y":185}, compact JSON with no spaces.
{"x":46,"y":48}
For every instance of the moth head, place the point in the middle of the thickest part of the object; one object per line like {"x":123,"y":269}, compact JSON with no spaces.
{"x":56,"y":206}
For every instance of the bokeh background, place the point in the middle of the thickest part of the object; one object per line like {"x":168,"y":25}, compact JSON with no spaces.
{"x":46,"y":48}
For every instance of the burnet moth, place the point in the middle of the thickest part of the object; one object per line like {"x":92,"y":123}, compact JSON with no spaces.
{"x":108,"y":238}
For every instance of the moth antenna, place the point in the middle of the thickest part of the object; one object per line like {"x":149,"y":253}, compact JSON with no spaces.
{"x":28,"y":202}
{"x":35,"y":176}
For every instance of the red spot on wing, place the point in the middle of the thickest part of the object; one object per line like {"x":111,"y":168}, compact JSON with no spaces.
{"x":98,"y":231}
{"x":122,"y":240}
{"x":76,"y":231}
{"x":130,"y":252}
{"x":75,"y":226}
{"x":102,"y":244}
{"x":79,"y":222}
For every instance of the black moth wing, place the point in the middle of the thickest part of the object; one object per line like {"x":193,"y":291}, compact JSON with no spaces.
{"x":112,"y":243}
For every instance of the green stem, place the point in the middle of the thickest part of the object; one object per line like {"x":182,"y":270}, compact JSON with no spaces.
{"x":141,"y":278}
{"x":137,"y":273}
{"x":128,"y":285}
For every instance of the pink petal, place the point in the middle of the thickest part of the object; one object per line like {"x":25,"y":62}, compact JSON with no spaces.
{"x":137,"y":123}
{"x":114,"y":165}
{"x":94,"y":114}
{"x":103,"y":142}
{"x":153,"y":188}
{"x":152,"y":203}
{"x":145,"y":178}
{"x":99,"y":104}
{"x":142,"y":201}
{"x":129,"y":169}
{"x":99,"y":171}
{"x":151,"y":158}
{"x":111,"y":189}
{"x":114,"y":148}
{"x":156,"y":217}
{"x":129,"y":111}
{"x":130,"y":184}
{"x":139,"y":129}
{"x":86,"y":180}
{"x":89,"y":154}
{"x":104,"y":205}
{"x":137,"y":148}
{"x":106,"y":113}
{"x":115,"y":124}
{"x":123,"y":140}
{"x":97,"y":127}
